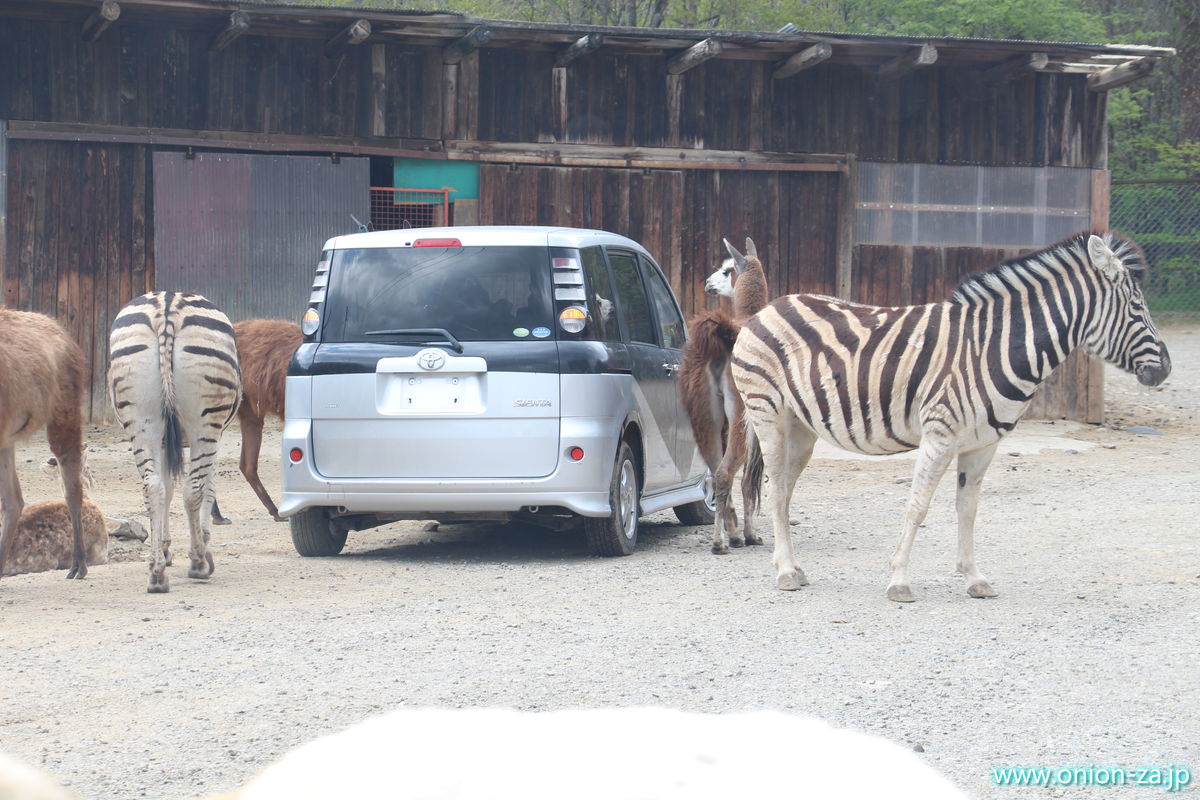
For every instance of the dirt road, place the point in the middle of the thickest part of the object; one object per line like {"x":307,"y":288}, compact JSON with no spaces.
{"x":1089,"y":655}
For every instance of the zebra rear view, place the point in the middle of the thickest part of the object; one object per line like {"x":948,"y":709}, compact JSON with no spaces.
{"x":946,"y":379}
{"x":173,"y":374}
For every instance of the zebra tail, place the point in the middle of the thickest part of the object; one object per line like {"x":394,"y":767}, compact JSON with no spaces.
{"x":753,"y":469}
{"x":172,"y":442}
{"x":172,"y":437}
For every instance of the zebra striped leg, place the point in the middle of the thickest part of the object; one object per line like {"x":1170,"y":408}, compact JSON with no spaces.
{"x":198,"y":499}
{"x":158,"y":501}
{"x":971,"y":467}
{"x":932,"y":459}
{"x":787,"y":446}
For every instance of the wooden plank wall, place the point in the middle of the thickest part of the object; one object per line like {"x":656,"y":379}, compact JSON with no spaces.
{"x":681,"y":217}
{"x":77,"y":247}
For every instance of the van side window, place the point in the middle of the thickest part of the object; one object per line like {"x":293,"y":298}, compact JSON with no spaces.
{"x":602,"y":307}
{"x":631,"y":297}
{"x":670,"y":321}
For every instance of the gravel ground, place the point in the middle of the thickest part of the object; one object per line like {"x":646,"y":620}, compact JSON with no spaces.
{"x":1088,"y":657}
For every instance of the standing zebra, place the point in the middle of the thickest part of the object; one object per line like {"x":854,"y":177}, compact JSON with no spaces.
{"x":174,"y":374}
{"x":945,"y":379}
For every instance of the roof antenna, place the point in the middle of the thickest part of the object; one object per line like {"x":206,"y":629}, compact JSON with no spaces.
{"x":362,"y":226}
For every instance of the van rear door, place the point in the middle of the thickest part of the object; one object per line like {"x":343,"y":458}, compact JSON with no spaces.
{"x":437,"y":362}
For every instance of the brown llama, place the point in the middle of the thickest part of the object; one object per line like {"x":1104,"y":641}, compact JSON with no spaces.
{"x":265,"y":348}
{"x":41,"y":542}
{"x":42,"y":387}
{"x":712,"y":405}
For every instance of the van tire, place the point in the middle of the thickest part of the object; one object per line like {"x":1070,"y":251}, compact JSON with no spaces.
{"x":616,"y":534}
{"x":314,"y":533}
{"x":701,"y":512}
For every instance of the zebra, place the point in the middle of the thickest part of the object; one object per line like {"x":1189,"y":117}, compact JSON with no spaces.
{"x":944,"y":379}
{"x":174,"y":373}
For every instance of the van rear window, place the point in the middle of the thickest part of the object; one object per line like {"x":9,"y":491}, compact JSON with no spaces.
{"x":476,"y":293}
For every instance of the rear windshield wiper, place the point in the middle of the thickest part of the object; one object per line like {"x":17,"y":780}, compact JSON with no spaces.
{"x":445,"y":334}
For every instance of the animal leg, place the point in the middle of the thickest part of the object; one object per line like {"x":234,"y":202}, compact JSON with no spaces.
{"x":199,"y":500}
{"x":158,"y":500}
{"x":971,"y":467}
{"x":217,"y":517}
{"x":735,"y":456}
{"x":932,"y":459}
{"x":10,"y":500}
{"x":252,"y":429}
{"x":66,"y":442}
{"x":786,"y":447}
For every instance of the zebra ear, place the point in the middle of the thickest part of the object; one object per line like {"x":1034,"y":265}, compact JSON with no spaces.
{"x":1104,"y":259}
{"x":751,"y":250}
{"x":739,"y":260}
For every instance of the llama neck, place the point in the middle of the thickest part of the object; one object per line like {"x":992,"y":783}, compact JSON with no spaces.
{"x":750,"y":291}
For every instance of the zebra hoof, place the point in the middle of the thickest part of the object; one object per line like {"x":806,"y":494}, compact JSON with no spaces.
{"x":981,"y":589}
{"x":719,"y":549}
{"x":737,"y":542}
{"x":751,"y":539}
{"x":900,"y":593}
{"x":791,"y":581}
{"x":158,"y":585}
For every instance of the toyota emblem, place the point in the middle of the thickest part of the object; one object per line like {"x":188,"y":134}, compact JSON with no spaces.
{"x":431,"y":359}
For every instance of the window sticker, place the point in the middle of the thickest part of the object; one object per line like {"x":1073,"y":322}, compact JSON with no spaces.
{"x":520,"y":333}
{"x":541,"y":332}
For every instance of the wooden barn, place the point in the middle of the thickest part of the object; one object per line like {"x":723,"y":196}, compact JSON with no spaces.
{"x":212,"y":146}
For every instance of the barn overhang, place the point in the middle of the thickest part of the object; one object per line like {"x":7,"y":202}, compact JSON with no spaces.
{"x":1107,"y":66}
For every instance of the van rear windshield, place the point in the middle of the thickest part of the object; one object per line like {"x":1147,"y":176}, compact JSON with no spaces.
{"x":476,"y":293}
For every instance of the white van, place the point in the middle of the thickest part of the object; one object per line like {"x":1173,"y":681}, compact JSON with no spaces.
{"x":488,"y":373}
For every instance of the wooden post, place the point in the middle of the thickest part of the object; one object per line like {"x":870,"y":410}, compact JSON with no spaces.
{"x":99,"y":20}
{"x":450,"y":102}
{"x":1094,"y":370}
{"x":844,"y":276}
{"x":1015,"y":67}
{"x":694,"y":56}
{"x":239,"y":23}
{"x":378,"y":90}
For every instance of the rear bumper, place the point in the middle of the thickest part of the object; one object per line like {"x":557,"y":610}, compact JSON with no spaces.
{"x":580,"y":486}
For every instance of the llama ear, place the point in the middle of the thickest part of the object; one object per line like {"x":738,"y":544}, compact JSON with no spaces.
{"x":739,"y":260}
{"x":1104,"y":259}
{"x":751,"y":250}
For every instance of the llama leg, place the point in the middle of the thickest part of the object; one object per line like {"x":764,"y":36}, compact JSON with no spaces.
{"x":971,"y":467}
{"x":252,"y":430}
{"x":217,"y":517}
{"x":932,"y":459}
{"x":10,"y":500}
{"x":737,"y":445}
{"x":66,"y":442}
{"x":735,"y":452}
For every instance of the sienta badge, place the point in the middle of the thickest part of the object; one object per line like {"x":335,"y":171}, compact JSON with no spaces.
{"x":541,"y":332}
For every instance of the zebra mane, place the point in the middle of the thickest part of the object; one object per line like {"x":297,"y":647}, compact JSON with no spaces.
{"x":1070,"y":251}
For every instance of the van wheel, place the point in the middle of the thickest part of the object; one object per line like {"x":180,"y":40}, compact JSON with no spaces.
{"x":314,"y":533}
{"x":616,"y":534}
{"x":701,"y":512}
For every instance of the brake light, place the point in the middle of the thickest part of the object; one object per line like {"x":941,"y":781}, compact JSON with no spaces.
{"x":437,"y":243}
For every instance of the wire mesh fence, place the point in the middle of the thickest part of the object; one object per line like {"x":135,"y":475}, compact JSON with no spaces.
{"x":409,"y":208}
{"x":1164,"y":218}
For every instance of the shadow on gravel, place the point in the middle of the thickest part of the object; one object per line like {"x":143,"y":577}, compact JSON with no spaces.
{"x":483,"y":542}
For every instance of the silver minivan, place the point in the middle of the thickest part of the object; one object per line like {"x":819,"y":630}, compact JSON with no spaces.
{"x":488,"y":373}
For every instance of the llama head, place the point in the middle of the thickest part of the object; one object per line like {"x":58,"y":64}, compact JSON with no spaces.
{"x":51,"y":468}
